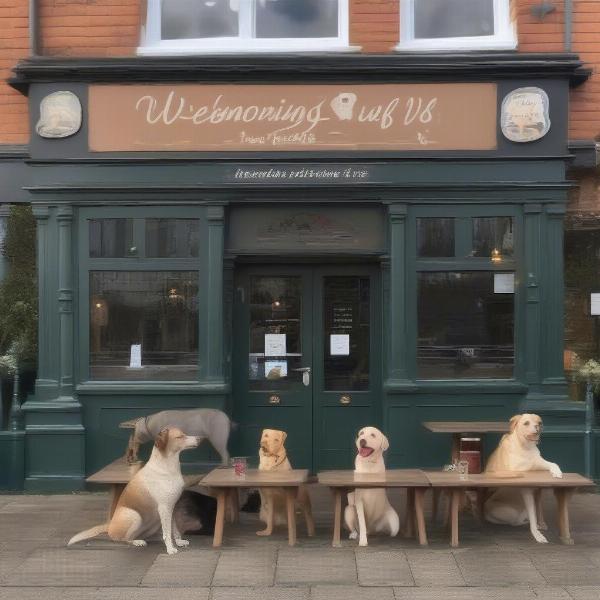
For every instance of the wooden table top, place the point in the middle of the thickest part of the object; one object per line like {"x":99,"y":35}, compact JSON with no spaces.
{"x":255,"y":478}
{"x":391,"y":478}
{"x":467,"y":426}
{"x":526,"y":478}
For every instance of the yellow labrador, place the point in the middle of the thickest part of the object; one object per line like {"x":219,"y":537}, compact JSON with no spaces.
{"x":273,"y":457}
{"x":369,"y":509}
{"x":518,"y":451}
{"x":148,"y":500}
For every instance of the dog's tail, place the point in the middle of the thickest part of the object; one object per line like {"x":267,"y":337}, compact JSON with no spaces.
{"x":88,"y":533}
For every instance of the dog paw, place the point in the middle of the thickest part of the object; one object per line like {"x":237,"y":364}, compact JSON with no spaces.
{"x":182,"y":543}
{"x":172,"y":550}
{"x":264,"y":532}
{"x":139,"y":543}
{"x":556,"y":472}
{"x":539,"y":537}
{"x":363,"y":543}
{"x":353,"y":535}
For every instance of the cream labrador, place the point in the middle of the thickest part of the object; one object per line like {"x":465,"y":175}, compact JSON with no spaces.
{"x":518,"y":451}
{"x":369,"y":509}
{"x":148,"y":500}
{"x":273,"y":457}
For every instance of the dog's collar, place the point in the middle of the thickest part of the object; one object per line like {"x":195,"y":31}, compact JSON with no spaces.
{"x":284,"y":456}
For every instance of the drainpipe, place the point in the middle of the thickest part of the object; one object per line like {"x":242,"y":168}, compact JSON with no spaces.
{"x":568,"y":24}
{"x":587,"y":440}
{"x":34,"y":44}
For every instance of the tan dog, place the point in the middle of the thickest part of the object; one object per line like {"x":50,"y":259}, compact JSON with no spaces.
{"x":369,"y":509}
{"x":518,"y":451}
{"x":147,"y":502}
{"x":273,"y":457}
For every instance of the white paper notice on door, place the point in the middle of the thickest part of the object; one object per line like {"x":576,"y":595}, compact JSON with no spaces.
{"x":504,"y":283}
{"x":275,"y":344}
{"x":135,"y":357}
{"x":594,"y":304}
{"x":339,"y":344}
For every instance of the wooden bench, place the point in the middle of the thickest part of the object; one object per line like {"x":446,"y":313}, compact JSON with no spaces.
{"x":537,"y":480}
{"x":117,"y":475}
{"x":414,"y":480}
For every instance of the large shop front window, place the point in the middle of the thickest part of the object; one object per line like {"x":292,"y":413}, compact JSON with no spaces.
{"x":465,"y":297}
{"x":220,"y":26}
{"x":455,"y":25}
{"x":143,"y":284}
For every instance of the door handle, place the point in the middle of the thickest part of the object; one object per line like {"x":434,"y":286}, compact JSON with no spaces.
{"x":305,"y":374}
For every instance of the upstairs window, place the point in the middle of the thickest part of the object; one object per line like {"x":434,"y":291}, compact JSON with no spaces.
{"x":206,"y":26}
{"x":455,"y":25}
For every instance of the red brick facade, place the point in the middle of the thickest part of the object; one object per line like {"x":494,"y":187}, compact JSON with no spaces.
{"x":112,"y":28}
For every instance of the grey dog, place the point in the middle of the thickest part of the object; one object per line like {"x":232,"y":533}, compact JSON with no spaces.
{"x":204,"y":423}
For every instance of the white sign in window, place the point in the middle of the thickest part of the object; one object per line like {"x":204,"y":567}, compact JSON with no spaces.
{"x":275,"y":344}
{"x":504,"y":283}
{"x":594,"y":304}
{"x":135,"y":358}
{"x":339,"y":344}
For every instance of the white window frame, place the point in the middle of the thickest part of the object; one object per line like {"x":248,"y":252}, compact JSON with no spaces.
{"x":152,"y":44}
{"x":504,"y":37}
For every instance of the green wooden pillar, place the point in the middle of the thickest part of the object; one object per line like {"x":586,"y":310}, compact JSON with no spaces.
{"x":65,"y":299}
{"x":397,"y":355}
{"x":215,"y":215}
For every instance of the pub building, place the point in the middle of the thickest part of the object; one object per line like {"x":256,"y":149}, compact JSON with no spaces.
{"x":311,"y":243}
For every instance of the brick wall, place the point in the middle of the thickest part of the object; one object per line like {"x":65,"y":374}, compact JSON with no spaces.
{"x":14,"y":44}
{"x":112,"y":28}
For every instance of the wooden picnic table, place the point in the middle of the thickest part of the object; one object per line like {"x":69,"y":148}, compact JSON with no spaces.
{"x":226,"y":483}
{"x":413,"y":480}
{"x":538,"y":480}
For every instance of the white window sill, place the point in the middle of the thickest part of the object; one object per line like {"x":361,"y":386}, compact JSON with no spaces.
{"x":456,"y":45}
{"x":161,"y":50}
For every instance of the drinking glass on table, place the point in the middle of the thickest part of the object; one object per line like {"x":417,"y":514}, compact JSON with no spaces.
{"x":239,"y":465}
{"x":463,"y":469}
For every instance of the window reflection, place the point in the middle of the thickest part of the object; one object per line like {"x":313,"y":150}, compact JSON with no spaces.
{"x":172,"y":238}
{"x":493,"y":237}
{"x":465,"y":325}
{"x":294,"y":19}
{"x":111,"y":238}
{"x":189,"y":19}
{"x":435,"y":237}
{"x":157,"y":310}
{"x":453,"y":18}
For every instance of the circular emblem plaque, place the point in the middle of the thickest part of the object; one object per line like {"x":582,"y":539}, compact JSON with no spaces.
{"x":524,"y":116}
{"x":60,"y":115}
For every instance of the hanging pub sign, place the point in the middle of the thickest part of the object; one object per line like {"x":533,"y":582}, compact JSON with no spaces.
{"x":267,"y":118}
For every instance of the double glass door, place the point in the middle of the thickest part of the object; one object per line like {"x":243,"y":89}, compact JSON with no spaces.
{"x":306,"y":359}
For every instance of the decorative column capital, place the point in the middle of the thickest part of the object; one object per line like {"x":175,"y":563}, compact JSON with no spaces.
{"x":215,"y":213}
{"x":64,"y":215}
{"x":40,"y":211}
{"x":532,"y":208}
{"x":397,"y":212}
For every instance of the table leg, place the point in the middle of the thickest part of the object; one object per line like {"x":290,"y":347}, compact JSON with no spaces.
{"x":220,"y":518}
{"x":115,"y":493}
{"x":409,"y":517}
{"x":290,"y":500}
{"x":337,"y":516}
{"x":454,"y":506}
{"x":435,"y":504}
{"x":419,"y":501}
{"x":233,"y":507}
{"x":562,"y":498}
{"x":481,"y":498}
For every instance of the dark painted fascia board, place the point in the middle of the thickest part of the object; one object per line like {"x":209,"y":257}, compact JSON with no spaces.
{"x":584,"y":154}
{"x":325,"y":67}
{"x":14,"y":151}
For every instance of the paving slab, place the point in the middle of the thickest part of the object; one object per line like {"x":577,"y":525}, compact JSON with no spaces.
{"x":584,"y":592}
{"x":261,"y":593}
{"x":132,"y":593}
{"x":348,"y":592}
{"x":566,"y":566}
{"x":246,"y":567}
{"x":383,"y":568}
{"x":314,"y":566}
{"x":83,"y":567}
{"x":52,"y":593}
{"x":187,"y":568}
{"x":465,"y":593}
{"x":436,"y":567}
{"x":483,"y":567}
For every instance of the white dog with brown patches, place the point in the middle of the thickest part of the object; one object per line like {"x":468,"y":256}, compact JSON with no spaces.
{"x":369,"y":509}
{"x":518,"y":451}
{"x":148,"y":500}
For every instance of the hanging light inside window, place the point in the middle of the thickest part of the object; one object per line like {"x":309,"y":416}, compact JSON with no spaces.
{"x":496,"y":256}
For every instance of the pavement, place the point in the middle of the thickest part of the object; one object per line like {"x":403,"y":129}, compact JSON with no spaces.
{"x":492,"y":563}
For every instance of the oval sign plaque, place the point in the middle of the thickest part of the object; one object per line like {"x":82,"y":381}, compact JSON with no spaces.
{"x":525,"y":114}
{"x":60,"y":115}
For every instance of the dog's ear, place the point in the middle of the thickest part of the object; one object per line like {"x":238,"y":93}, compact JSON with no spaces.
{"x":384,"y":443}
{"x":514,"y":421}
{"x":161,"y":439}
{"x":283,"y":437}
